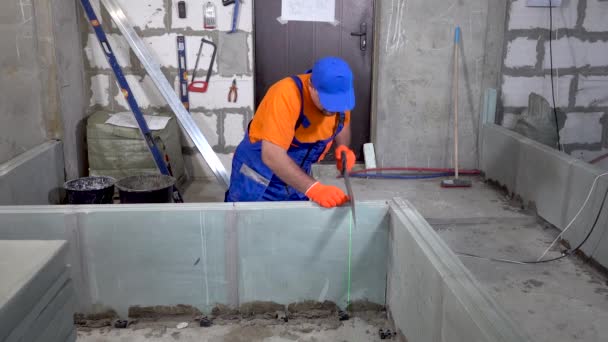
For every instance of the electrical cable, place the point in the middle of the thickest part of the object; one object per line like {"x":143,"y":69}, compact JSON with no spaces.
{"x":507,"y":261}
{"x":565,"y":254}
{"x":575,"y":216}
{"x":559,"y":146}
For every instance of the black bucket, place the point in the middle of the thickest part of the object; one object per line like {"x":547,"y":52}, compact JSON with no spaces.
{"x":90,"y":190}
{"x":146,"y":189}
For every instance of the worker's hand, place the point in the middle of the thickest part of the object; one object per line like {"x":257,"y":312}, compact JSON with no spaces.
{"x":327,"y":196}
{"x":350,"y":158}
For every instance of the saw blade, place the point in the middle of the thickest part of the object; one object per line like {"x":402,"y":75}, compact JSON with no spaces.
{"x":349,"y":188}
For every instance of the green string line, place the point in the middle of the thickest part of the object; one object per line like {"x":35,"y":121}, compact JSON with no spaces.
{"x":350,"y":250}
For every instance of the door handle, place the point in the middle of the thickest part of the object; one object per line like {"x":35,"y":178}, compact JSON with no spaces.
{"x":362,"y":36}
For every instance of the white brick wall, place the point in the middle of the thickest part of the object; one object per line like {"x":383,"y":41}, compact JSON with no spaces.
{"x":245,"y":18}
{"x":250,"y":46}
{"x":145,"y":93}
{"x":96,"y":56}
{"x":217,"y":94}
{"x":150,"y":14}
{"x":568,"y":52}
{"x":192,"y":46}
{"x":144,"y":14}
{"x":516,"y":90}
{"x":572,"y":52}
{"x":596,"y":16}
{"x":233,"y":129}
{"x":582,"y":128}
{"x":198,"y":169}
{"x":194,"y":16}
{"x":208,"y":125}
{"x":164,"y":49}
{"x":522,"y":17}
{"x":100,"y":85}
{"x":521,"y":52}
{"x":592,"y":91}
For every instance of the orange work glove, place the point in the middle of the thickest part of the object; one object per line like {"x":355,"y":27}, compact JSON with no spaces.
{"x":350,"y":158}
{"x":327,"y":196}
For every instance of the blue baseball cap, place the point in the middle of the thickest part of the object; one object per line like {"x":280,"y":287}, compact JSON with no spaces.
{"x":333,"y":80}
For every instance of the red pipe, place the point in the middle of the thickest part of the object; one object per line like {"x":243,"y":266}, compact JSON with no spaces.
{"x":599,"y":159}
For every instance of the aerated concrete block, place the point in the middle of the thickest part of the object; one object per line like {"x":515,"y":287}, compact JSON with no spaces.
{"x":500,"y":158}
{"x":415,"y":288}
{"x":144,"y":14}
{"x":521,"y":52}
{"x":541,"y":177}
{"x":100,"y":89}
{"x":523,"y":17}
{"x":294,"y":253}
{"x":97,"y":58}
{"x":216,"y":97}
{"x":158,"y":258}
{"x":144,"y":91}
{"x":233,"y":54}
{"x":516,"y":90}
{"x":163,"y":49}
{"x":455,"y":316}
{"x":592,"y":91}
{"x":574,"y":52}
{"x":558,"y":185}
{"x":34,"y":177}
{"x":600,"y":250}
{"x":595,"y":16}
{"x":55,"y":322}
{"x":234,"y":129}
{"x":207,"y":122}
{"x":29,"y":269}
{"x":194,"y":18}
{"x":582,"y":128}
{"x":233,"y":253}
{"x":580,"y":182}
{"x":431,"y":295}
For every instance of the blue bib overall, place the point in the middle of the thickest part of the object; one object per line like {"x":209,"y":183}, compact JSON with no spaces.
{"x":252,"y":180}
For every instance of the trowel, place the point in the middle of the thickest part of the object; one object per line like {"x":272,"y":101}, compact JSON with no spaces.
{"x":349,"y":188}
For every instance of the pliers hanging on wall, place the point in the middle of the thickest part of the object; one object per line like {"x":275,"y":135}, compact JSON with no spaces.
{"x":233,"y":94}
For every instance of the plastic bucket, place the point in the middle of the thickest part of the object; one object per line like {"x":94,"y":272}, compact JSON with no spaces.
{"x":90,"y":190}
{"x":146,"y":189}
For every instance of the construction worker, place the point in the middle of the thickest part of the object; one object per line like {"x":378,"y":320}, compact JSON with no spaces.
{"x":295,"y":125}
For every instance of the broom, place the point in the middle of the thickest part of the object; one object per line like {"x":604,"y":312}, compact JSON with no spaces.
{"x":456,"y":182}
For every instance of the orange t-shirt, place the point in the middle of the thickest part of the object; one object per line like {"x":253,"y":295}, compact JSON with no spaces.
{"x":277,"y":115}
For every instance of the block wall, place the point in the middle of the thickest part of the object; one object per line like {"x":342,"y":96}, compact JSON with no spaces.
{"x":580,"y":62}
{"x":223,"y":123}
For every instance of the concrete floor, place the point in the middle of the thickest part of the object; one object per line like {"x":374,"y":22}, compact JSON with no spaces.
{"x":566,"y":300}
{"x":353,"y":330}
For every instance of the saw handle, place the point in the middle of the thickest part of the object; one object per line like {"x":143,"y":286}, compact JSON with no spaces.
{"x":198,"y":86}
